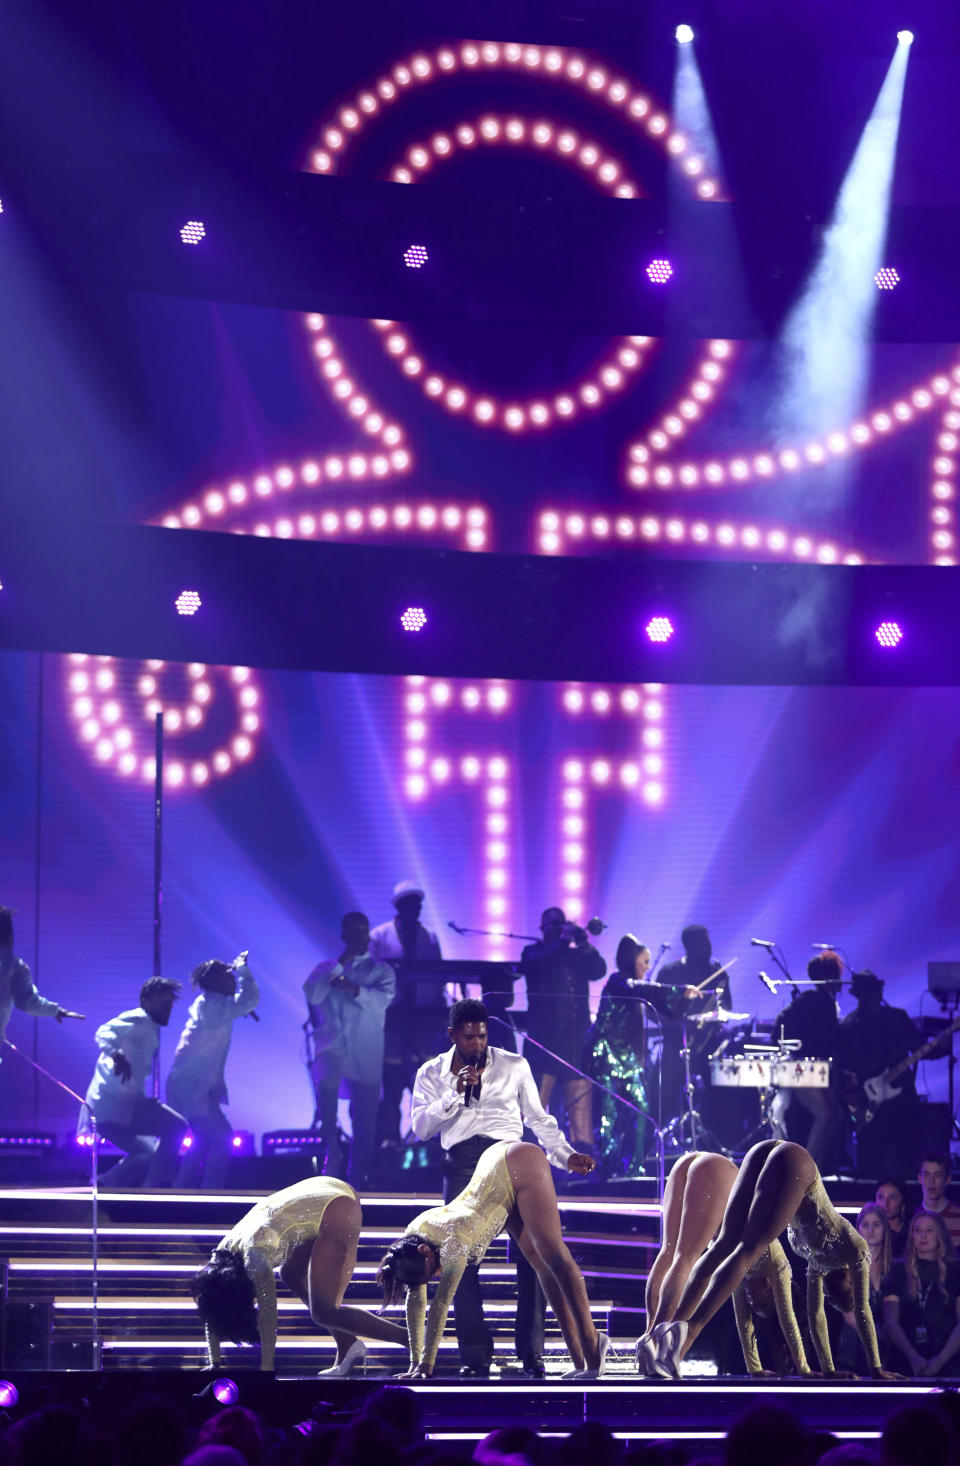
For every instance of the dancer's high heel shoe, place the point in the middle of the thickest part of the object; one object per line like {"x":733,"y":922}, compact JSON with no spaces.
{"x":354,"y":1358}
{"x":667,"y":1340}
{"x":644,"y":1356}
{"x":603,"y":1341}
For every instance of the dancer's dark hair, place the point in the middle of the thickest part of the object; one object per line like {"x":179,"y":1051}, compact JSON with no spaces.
{"x":225,"y":1297}
{"x":403,"y":1266}
{"x":159,"y":987}
{"x":200,"y":976}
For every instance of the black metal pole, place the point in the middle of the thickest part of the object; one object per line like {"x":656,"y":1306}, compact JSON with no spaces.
{"x":37,"y":860}
{"x":157,"y":876}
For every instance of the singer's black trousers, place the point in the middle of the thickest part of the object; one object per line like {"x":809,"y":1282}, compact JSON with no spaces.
{"x":473,"y":1336}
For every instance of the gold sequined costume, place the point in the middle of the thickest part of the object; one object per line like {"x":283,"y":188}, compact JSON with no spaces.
{"x":827,"y":1242}
{"x":267,"y":1237}
{"x":461,"y":1232}
{"x":774,"y":1266}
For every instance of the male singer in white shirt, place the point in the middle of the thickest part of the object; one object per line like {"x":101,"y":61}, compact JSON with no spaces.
{"x":474,"y":1095}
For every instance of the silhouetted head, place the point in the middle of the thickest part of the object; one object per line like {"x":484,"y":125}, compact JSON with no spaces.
{"x":696,"y":942}
{"x":215,"y":977}
{"x":827,"y":970}
{"x":157,"y":997}
{"x":408,"y":899}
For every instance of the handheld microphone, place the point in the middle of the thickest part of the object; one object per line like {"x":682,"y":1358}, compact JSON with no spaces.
{"x":768,"y":983}
{"x":472,"y":1091}
{"x":759,"y":942}
{"x":241,"y":962}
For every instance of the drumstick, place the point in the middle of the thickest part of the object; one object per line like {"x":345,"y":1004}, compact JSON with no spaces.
{"x":711,"y":975}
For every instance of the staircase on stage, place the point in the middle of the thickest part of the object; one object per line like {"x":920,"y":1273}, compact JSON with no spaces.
{"x":151,"y":1243}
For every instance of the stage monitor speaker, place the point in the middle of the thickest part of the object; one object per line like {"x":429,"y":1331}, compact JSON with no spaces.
{"x":27,"y":1333}
{"x":943,"y":980}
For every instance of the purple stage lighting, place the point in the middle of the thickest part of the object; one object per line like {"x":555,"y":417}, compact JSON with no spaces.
{"x":9,"y":1394}
{"x":226,"y":1391}
{"x":188,"y":603}
{"x":659,"y":271}
{"x":886,"y":278}
{"x":414,"y":618}
{"x":889,"y":633}
{"x":193,"y":231}
{"x":415,"y":257}
{"x":659,"y":628}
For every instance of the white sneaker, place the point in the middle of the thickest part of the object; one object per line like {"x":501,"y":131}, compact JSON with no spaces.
{"x":354,"y":1358}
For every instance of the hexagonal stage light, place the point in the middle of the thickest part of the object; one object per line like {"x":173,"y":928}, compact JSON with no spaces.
{"x":414,"y":618}
{"x":886,"y":278}
{"x":188,"y":603}
{"x":193,"y":231}
{"x":659,"y":629}
{"x":659,"y":271}
{"x":889,"y":633}
{"x":415,"y":257}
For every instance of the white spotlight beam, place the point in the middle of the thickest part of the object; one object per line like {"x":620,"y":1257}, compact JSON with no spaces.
{"x":691,"y":110}
{"x":827,"y":334}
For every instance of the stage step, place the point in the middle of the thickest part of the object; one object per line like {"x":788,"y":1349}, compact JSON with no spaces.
{"x":150,"y":1244}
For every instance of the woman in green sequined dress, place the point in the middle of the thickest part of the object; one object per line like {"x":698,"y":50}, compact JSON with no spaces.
{"x":615,"y":1055}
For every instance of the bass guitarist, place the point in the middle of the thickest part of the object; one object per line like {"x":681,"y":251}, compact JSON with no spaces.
{"x":873,"y":1040}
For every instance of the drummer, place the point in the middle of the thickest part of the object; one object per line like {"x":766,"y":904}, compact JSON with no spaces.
{"x":812,"y":1018}
{"x":693,"y":986}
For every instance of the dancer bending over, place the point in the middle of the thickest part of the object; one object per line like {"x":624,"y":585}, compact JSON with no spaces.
{"x":511,"y":1187}
{"x":778,"y":1186}
{"x":309,"y":1232}
{"x":693,"y":1208}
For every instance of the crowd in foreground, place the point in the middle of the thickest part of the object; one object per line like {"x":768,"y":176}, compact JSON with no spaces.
{"x":389,"y":1429}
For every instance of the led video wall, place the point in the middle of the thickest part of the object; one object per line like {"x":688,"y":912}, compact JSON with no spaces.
{"x":471,"y":434}
{"x":800,"y":816}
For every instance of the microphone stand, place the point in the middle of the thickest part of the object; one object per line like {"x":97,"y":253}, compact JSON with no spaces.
{"x":658,"y":1133}
{"x":480,"y":931}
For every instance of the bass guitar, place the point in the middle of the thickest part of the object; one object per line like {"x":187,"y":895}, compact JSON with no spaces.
{"x":885,"y":1086}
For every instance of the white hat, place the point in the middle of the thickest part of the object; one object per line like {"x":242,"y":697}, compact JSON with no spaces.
{"x":406,"y":888}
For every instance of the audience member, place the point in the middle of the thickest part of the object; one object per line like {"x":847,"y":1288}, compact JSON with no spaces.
{"x":918,"y":1436}
{"x":921,"y":1299}
{"x":934,"y":1173}
{"x":237,"y":1427}
{"x":891,"y":1194}
{"x":748,"y":1440}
